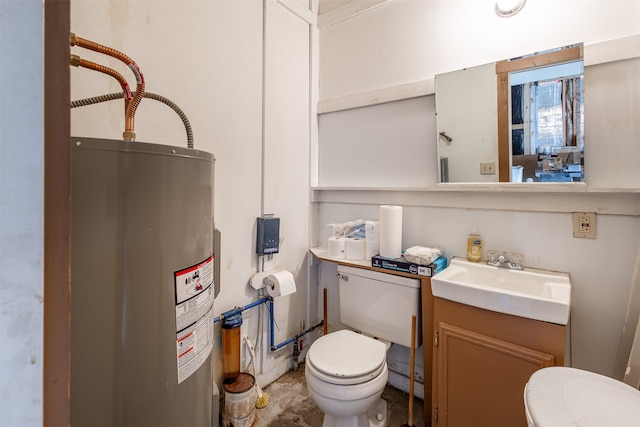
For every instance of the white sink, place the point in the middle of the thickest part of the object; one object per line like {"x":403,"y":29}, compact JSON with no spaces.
{"x":531,"y":293}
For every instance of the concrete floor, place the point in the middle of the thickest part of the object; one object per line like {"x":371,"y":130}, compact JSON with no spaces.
{"x":290,"y":405}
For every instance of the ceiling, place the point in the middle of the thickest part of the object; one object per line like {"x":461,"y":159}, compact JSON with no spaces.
{"x":327,"y":5}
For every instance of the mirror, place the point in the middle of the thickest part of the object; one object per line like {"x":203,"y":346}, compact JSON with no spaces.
{"x":518,"y":120}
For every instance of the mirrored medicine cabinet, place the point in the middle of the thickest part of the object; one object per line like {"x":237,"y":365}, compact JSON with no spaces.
{"x":517,"y":120}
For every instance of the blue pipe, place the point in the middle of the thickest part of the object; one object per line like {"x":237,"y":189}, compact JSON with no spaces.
{"x":268,"y":299}
{"x":260,"y":301}
{"x":272,"y":327}
{"x":246,"y":307}
{"x":297,"y":337}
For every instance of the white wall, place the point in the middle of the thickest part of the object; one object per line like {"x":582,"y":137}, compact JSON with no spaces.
{"x":380,"y":146}
{"x":612,"y":130}
{"x":601,"y":269}
{"x":467,"y":111}
{"x":404,"y":41}
{"x":21,"y":212}
{"x":400,"y":42}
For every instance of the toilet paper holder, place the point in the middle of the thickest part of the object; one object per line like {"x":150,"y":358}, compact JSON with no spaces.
{"x":259,"y":280}
{"x":278,"y":282}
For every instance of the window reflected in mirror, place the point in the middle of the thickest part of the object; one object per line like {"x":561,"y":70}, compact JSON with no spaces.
{"x":547,"y":121}
{"x":532,"y":131}
{"x":541,"y":117}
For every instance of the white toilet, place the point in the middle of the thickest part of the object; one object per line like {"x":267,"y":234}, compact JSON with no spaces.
{"x":346,"y":371}
{"x":559,"y":397}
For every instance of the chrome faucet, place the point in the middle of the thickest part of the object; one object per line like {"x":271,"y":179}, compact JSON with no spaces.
{"x":503,"y":261}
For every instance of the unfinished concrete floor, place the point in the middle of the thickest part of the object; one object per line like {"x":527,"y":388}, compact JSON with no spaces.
{"x":290,"y":405}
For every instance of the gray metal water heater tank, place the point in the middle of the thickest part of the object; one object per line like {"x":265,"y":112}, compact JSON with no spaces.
{"x":142,"y":285}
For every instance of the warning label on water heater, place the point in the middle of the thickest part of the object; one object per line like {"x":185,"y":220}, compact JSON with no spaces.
{"x":194,"y":316}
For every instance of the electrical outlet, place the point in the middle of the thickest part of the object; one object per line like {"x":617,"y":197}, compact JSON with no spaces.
{"x":488,"y":168}
{"x":584,"y":225}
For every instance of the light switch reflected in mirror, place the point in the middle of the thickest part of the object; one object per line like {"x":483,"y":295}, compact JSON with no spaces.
{"x":519,"y":120}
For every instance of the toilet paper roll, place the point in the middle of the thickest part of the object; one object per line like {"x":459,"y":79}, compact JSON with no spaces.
{"x":371,"y":249}
{"x":372,"y":239}
{"x":280,"y":283}
{"x":337,"y":247}
{"x":355,"y":249}
{"x":390,"y":231}
{"x":335,"y":229}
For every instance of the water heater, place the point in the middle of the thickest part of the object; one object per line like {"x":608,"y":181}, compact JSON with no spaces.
{"x":142,"y":284}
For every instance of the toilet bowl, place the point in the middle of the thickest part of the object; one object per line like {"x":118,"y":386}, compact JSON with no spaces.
{"x":560,"y":396}
{"x":346,"y":373}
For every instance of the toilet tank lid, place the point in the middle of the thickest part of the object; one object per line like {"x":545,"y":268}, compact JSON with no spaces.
{"x":383,"y":277}
{"x":346,"y":353}
{"x":560,"y":396}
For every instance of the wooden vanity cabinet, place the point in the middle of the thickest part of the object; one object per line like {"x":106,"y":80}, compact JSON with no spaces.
{"x":482,"y":361}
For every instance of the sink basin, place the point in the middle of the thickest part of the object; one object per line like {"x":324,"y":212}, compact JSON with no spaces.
{"x":531,"y":293}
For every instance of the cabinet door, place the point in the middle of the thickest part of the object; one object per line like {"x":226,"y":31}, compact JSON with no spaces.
{"x":481,"y":379}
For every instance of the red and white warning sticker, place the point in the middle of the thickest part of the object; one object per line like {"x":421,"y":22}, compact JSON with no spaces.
{"x":194,"y":316}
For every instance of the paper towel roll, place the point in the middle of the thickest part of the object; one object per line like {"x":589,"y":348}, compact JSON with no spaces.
{"x":390,"y":231}
{"x":337,"y":247}
{"x":355,"y":249}
{"x":372,"y":239}
{"x":280,"y":283}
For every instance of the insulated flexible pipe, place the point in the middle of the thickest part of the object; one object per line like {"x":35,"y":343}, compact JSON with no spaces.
{"x":128,"y":134}
{"x":112,"y":96}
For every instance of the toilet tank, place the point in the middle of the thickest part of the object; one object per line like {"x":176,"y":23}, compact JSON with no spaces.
{"x":379,"y":304}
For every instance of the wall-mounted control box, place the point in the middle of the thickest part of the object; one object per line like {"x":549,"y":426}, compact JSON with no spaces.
{"x":268,"y":239}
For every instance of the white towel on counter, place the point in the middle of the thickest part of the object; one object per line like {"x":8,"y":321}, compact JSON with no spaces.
{"x":422,"y":255}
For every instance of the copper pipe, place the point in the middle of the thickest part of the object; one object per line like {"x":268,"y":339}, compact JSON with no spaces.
{"x":76,"y":61}
{"x":128,"y":134}
{"x":131,"y":111}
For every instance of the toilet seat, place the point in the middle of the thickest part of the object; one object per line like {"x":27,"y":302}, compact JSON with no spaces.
{"x":345,"y":358}
{"x":560,"y":396}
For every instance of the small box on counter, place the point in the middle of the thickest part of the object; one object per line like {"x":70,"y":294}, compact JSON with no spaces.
{"x":552,"y":164}
{"x":401,"y":264}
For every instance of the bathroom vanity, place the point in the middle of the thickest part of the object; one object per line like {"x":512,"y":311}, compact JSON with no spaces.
{"x":482,"y":360}
{"x":495,"y":324}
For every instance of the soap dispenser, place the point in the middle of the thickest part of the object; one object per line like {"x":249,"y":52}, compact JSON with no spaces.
{"x":474,"y":246}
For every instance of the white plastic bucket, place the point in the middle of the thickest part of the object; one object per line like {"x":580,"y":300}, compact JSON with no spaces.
{"x":240,"y":402}
{"x":516,"y":173}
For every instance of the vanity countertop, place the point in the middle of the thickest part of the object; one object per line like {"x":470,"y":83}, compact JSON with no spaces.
{"x":322,"y":254}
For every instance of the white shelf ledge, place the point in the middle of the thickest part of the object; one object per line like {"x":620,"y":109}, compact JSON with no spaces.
{"x":511,"y":197}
